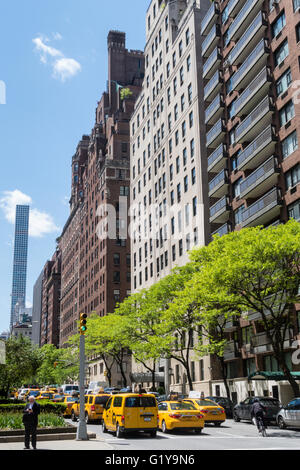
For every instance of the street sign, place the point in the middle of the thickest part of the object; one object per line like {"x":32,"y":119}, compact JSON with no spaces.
{"x":2,"y":352}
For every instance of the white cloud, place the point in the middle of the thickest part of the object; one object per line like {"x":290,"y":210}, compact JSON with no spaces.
{"x":63,"y":67}
{"x":40,"y":223}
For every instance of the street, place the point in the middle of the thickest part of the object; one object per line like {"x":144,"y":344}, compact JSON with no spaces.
{"x":230,"y":436}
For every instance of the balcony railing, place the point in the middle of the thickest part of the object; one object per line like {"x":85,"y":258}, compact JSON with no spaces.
{"x":249,"y":39}
{"x":250,"y":67}
{"x":244,"y":18}
{"x":254,"y":92}
{"x":231,"y":350}
{"x":210,"y":16}
{"x":263,"y":210}
{"x":218,"y":185}
{"x":257,"y":120}
{"x":215,"y":135}
{"x":223,"y":230}
{"x":214,"y":110}
{"x":219,"y":211}
{"x":261,"y":343}
{"x":212,"y":63}
{"x":211,"y":40}
{"x":264,"y":144}
{"x":261,"y":180}
{"x":217,"y":159}
{"x":213,"y":86}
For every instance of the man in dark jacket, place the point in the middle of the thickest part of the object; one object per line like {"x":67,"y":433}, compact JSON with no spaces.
{"x":30,"y":421}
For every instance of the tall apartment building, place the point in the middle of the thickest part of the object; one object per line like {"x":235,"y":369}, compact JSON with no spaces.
{"x":37,"y":309}
{"x":18,"y":295}
{"x":251,"y":72}
{"x":169,"y":185}
{"x":95,"y":272}
{"x":50,"y":312}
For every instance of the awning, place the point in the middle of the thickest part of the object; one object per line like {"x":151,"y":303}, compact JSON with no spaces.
{"x":266,"y":375}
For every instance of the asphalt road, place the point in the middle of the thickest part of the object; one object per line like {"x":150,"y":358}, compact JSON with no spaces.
{"x":230,"y":436}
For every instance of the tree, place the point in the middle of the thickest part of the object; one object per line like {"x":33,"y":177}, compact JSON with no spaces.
{"x":58,"y":365}
{"x":254,"y":270}
{"x":125,"y":93}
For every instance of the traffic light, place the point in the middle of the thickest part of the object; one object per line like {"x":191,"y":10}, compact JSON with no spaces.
{"x":83,"y":327}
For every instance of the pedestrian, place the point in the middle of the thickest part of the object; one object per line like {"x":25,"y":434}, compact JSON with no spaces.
{"x":30,"y":421}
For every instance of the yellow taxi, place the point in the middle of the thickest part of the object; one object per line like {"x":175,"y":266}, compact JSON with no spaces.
{"x":179,"y":415}
{"x":129,"y":412}
{"x":45,"y":396}
{"x":212,"y":412}
{"x":68,"y":401}
{"x":94,"y":406}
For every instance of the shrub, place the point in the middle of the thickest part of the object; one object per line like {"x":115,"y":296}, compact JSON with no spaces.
{"x":46,"y":407}
{"x":13,"y":420}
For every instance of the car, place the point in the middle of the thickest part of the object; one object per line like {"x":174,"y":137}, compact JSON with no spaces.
{"x":225,"y":403}
{"x":289,"y":415}
{"x":94,"y":406}
{"x":33,"y":393}
{"x":179,"y":415}
{"x":69,"y":388}
{"x":68,"y":401}
{"x":111,"y":390}
{"x":126,"y":390}
{"x":242,"y":411}
{"x":212,"y":412}
{"x":45,"y":396}
{"x":58,"y":398}
{"x":130,"y":412}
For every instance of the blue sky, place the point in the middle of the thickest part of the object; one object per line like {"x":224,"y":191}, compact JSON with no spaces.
{"x":53,"y":62}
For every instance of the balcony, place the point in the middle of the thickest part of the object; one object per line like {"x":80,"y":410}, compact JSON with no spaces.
{"x":261,"y":180}
{"x":231,"y":351}
{"x":215,"y":110}
{"x":219,"y":212}
{"x":243,"y":18}
{"x":213,"y":86}
{"x":262,"y":344}
{"x":223,"y":230}
{"x":218,"y":186}
{"x":255,"y":122}
{"x":216,"y":134}
{"x":233,"y":6}
{"x":211,"y":40}
{"x":209,"y":18}
{"x":217,"y":159}
{"x":251,"y":66}
{"x":231,"y":325}
{"x":249,"y":40}
{"x":254,"y":93}
{"x":263,"y":146}
{"x":212,"y":63}
{"x":264,"y":210}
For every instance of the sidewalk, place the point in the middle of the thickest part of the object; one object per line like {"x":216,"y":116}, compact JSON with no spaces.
{"x":91,"y":444}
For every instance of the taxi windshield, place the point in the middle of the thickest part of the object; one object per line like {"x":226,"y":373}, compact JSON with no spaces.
{"x":182,"y":406}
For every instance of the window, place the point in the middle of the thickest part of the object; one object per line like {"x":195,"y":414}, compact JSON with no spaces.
{"x":281,"y":53}
{"x":182,"y":102}
{"x":238,"y":214}
{"x":289,"y":144}
{"x":193,"y":174}
{"x":294,"y":210}
{"x":298,"y":32}
{"x":192,"y":148}
{"x":284,"y":82}
{"x":188,"y":63}
{"x":180,"y":48}
{"x":286,"y":113}
{"x":194,"y":206}
{"x":187,"y":37}
{"x":116,"y":276}
{"x":191,"y":119}
{"x":181,"y":74}
{"x":292,"y":177}
{"x":185,"y":184}
{"x":116,"y":259}
{"x":296,"y":4}
{"x":236,"y":187}
{"x":190,"y":93}
{"x":180,"y":248}
{"x":278,"y":24}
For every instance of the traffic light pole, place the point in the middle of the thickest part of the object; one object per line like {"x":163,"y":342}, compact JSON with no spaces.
{"x":82,"y":428}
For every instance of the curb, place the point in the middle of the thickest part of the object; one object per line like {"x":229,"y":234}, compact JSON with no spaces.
{"x":60,"y":436}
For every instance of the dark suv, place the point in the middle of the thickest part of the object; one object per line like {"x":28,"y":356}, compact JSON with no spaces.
{"x":242,"y":411}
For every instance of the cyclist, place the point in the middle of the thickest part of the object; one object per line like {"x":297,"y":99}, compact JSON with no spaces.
{"x":258,"y":412}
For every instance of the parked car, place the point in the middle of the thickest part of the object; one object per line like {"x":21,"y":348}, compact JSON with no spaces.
{"x":179,"y":415}
{"x":67,"y":389}
{"x":225,"y":403}
{"x":94,"y":406}
{"x":242,"y":411}
{"x":289,"y":415}
{"x":68,"y":401}
{"x":130,"y":412}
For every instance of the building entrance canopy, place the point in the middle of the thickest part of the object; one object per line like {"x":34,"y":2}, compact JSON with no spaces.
{"x":266,"y":375}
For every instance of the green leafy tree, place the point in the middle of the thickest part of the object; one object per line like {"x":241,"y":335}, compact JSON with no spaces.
{"x":253,"y":270}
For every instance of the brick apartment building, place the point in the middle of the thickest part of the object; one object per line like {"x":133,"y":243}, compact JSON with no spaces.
{"x":251,"y":67}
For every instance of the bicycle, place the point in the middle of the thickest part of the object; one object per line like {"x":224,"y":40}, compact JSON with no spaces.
{"x":261,"y":426}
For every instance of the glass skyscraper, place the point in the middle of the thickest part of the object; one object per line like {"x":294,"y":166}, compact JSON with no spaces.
{"x":20,"y":261}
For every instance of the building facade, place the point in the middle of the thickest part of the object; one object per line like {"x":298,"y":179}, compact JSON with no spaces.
{"x":251,"y":77}
{"x":18,"y":295}
{"x":169,"y":184}
{"x":37,"y":310}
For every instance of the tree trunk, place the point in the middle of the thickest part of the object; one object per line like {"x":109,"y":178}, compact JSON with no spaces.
{"x":224,"y":376}
{"x":153,"y":377}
